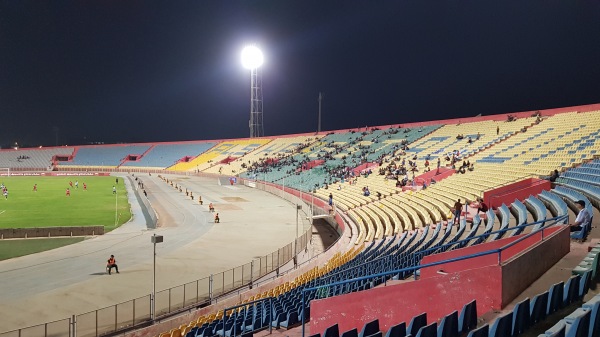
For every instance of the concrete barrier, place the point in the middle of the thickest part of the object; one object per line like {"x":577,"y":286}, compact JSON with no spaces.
{"x":50,"y":232}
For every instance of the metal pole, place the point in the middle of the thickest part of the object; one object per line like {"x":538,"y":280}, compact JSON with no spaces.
{"x":154,"y":281}
{"x":116,"y":205}
{"x":303,"y":313}
{"x":297,"y":220}
{"x":251,"y":272}
{"x":319,"y":121}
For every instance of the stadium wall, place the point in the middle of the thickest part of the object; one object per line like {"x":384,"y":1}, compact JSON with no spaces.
{"x":445,"y":288}
{"x":48,"y":232}
{"x":517,"y":190}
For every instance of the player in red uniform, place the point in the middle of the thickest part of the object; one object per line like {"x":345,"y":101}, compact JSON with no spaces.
{"x":68,"y":192}
{"x":71,"y":184}
{"x":84,"y":187}
{"x":35,"y":187}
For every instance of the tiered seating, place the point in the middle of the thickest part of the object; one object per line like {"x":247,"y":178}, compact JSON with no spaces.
{"x":444,"y":141}
{"x":277,"y":148}
{"x":223,"y":150}
{"x":165,"y":155}
{"x":106,"y":156}
{"x":557,"y":206}
{"x":32,"y":158}
{"x":558,"y":142}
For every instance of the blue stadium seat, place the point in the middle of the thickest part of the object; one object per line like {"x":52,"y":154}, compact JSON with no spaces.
{"x":291,"y":320}
{"x":502,"y":326}
{"x":332,"y":331}
{"x":538,"y":307}
{"x":482,"y":331}
{"x":428,"y":330}
{"x":555,"y":297}
{"x":571,"y":292}
{"x":448,"y":326}
{"x":370,"y":328}
{"x":467,"y":319}
{"x":593,"y":305}
{"x":350,"y":333}
{"x":417,"y":323}
{"x":558,"y":330}
{"x":578,"y":323}
{"x":521,"y":317}
{"x":398,"y":330}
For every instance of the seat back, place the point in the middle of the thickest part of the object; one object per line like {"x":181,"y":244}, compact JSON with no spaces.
{"x":417,"y":323}
{"x":467,"y":319}
{"x":521,"y":317}
{"x":448,"y":326}
{"x":370,"y":328}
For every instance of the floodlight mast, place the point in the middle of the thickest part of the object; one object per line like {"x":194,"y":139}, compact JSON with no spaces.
{"x":252,"y":58}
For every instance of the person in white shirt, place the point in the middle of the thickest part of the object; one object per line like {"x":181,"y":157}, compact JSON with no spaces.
{"x":583,"y":217}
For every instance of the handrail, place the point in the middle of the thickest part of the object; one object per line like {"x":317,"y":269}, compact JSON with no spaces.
{"x":413,"y":268}
{"x":558,"y":218}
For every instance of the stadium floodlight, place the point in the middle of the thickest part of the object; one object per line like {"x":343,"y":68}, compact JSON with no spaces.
{"x":252,"y":58}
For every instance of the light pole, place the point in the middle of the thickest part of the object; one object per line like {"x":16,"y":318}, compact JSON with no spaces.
{"x":116,"y":206}
{"x":252,"y":59}
{"x":154,"y":239}
{"x":298,"y":208}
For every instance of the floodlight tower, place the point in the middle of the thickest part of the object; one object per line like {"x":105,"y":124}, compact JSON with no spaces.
{"x":252,"y":58}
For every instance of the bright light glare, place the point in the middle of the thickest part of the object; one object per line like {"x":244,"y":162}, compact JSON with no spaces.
{"x":252,"y":57}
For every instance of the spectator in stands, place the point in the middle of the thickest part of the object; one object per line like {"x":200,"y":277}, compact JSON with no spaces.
{"x":497,"y":130}
{"x":553,"y":176}
{"x":217,"y":220}
{"x":111,"y":263}
{"x":330,"y":199}
{"x":199,"y":199}
{"x":583,"y":219}
{"x":457,"y":210}
{"x":478,"y":136}
{"x":482,"y":206}
{"x":145,"y":194}
{"x":211,"y":207}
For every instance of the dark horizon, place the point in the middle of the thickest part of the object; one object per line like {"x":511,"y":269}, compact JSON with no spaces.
{"x":149,"y":71}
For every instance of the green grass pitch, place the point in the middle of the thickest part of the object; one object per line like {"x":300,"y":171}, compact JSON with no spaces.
{"x":49,"y":206}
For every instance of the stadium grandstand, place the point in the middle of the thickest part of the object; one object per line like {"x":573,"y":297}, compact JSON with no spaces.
{"x":407,"y":262}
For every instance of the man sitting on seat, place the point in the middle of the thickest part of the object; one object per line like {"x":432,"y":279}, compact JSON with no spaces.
{"x":112,"y":263}
{"x":583,"y":217}
{"x":217,"y":220}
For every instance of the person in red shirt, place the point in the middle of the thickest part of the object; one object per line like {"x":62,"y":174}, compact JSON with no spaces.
{"x":71,"y":184}
{"x":68,"y":192}
{"x":112,"y":263}
{"x":35,"y":187}
{"x":84,"y":187}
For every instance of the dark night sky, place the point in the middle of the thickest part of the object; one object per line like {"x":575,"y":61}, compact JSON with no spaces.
{"x":129,"y":71}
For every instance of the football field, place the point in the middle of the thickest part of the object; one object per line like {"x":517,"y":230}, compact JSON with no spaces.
{"x":49,"y":206}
